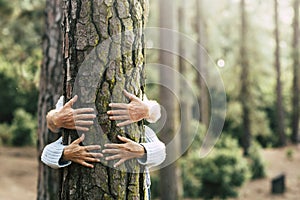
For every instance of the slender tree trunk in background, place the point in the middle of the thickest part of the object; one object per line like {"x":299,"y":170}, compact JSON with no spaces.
{"x":170,"y":176}
{"x":296,"y":71}
{"x":89,"y":30}
{"x":50,"y":89}
{"x":279,"y":105}
{"x":185,"y":102}
{"x":203,"y":98}
{"x":245,"y":95}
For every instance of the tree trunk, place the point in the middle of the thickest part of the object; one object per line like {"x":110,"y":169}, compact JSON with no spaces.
{"x":104,"y":54}
{"x":203,"y":98}
{"x":296,"y":79}
{"x":245,"y":92}
{"x":185,"y":99}
{"x":51,"y":79}
{"x":279,"y":106}
{"x":170,"y":176}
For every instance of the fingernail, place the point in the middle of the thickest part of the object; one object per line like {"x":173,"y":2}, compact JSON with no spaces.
{"x":109,"y":104}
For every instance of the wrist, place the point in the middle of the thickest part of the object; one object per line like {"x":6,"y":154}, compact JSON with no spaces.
{"x":142,"y":151}
{"x":52,"y":121}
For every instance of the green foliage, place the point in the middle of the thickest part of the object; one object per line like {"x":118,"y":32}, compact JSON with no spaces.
{"x":257,"y":165}
{"x":23,"y":129}
{"x":217,"y":175}
{"x":8,"y":98}
{"x":5,"y":134}
{"x":21,"y":28}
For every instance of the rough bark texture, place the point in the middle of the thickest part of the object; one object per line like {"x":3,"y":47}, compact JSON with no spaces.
{"x":279,"y":105}
{"x":50,"y":89}
{"x":104,"y":54}
{"x":296,"y":79}
{"x":245,"y":93}
{"x":170,"y":176}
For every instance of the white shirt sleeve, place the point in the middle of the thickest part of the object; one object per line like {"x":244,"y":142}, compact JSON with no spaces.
{"x":52,"y":153}
{"x":156,"y":150}
{"x":60,"y":103}
{"x":154,"y":110}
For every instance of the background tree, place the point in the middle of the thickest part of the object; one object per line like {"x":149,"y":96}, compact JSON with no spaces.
{"x":185,"y":99}
{"x":244,"y":91}
{"x":104,"y":48}
{"x":296,"y":78}
{"x":170,"y":176}
{"x":203,"y":98}
{"x":50,"y":88}
{"x":279,"y":107}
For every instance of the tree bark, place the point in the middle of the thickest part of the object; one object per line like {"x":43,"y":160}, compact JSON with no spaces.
{"x":51,"y":79}
{"x":104,"y":54}
{"x":296,"y":71}
{"x":170,"y":176}
{"x":279,"y":105}
{"x":245,"y":92}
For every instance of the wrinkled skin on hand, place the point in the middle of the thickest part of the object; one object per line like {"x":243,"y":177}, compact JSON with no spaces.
{"x":135,"y":111}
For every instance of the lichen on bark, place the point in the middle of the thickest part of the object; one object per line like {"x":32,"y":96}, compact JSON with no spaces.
{"x":104,"y":54}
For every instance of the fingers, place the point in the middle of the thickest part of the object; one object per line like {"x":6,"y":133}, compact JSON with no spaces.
{"x":86,"y":164}
{"x":84,"y":116}
{"x":124,"y":139}
{"x":114,"y":157}
{"x":129,"y":95}
{"x":121,"y":161}
{"x":119,"y":105}
{"x":84,"y":110}
{"x":72,"y":101}
{"x":79,"y":140}
{"x":92,"y":147}
{"x":119,"y":117}
{"x":81,"y":128}
{"x":113,"y":149}
{"x":125,"y":123}
{"x":84,"y":123}
{"x":117,"y":112}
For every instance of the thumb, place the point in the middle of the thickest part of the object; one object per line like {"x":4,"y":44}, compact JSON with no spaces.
{"x":79,"y":140}
{"x":129,"y":95}
{"x":72,"y":101}
{"x":124,"y":139}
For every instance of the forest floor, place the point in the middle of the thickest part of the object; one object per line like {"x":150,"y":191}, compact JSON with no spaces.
{"x":19,"y":170}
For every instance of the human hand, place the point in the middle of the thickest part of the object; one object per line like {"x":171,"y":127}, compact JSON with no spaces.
{"x":70,"y":118}
{"x":132,"y":112}
{"x":123,"y":152}
{"x":80,"y":154}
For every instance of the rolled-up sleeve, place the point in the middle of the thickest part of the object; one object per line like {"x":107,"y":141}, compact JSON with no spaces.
{"x":52,"y":154}
{"x":155,"y":149}
{"x":154,"y":110}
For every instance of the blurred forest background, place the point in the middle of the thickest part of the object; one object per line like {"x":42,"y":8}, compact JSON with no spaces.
{"x":255,"y":45}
